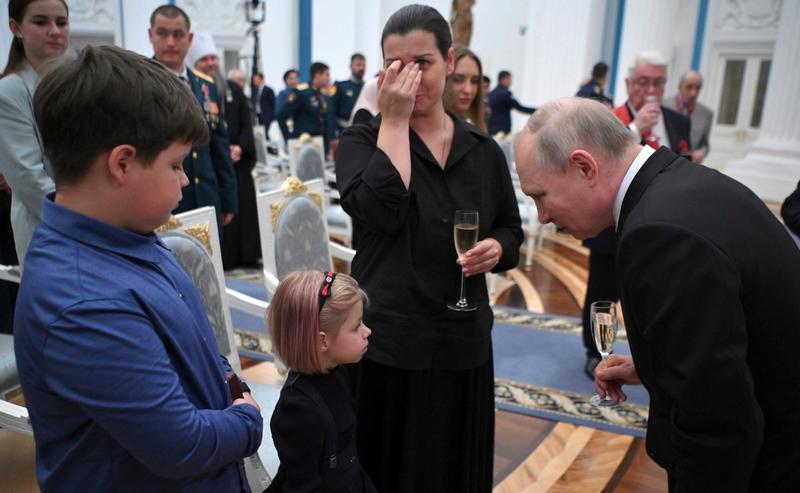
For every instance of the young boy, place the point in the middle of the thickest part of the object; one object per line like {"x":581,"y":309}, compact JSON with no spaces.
{"x":122,"y":377}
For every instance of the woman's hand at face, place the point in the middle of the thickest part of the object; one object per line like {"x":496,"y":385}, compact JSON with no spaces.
{"x":397,"y":90}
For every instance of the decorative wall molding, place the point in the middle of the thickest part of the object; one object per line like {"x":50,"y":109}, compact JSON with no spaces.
{"x":747,"y":15}
{"x":93,"y":15}
{"x":219,"y":18}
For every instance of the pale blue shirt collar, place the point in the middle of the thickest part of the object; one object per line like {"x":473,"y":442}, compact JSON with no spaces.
{"x":634,"y":168}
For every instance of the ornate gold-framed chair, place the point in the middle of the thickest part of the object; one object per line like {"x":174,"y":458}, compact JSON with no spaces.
{"x":193,"y":238}
{"x":294,"y":233}
{"x":12,"y":416}
{"x":307,"y":162}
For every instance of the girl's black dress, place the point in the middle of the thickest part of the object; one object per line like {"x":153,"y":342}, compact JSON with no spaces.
{"x":314,"y":430}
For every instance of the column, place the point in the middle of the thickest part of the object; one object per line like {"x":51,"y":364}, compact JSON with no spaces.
{"x":772,"y":166}
{"x":648,"y":25}
{"x":5,"y":37}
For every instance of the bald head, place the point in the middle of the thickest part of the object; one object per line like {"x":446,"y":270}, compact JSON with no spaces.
{"x":571,"y":158}
{"x":689,"y":87}
{"x":563,"y":125}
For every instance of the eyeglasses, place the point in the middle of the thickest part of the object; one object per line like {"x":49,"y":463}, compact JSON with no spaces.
{"x":645,"y":82}
{"x":325,"y":289}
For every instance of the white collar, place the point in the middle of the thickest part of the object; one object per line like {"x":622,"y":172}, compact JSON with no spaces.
{"x":634,"y":168}
{"x":181,"y":73}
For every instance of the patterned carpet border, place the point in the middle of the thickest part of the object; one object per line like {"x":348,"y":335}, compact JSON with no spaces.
{"x":555,"y":404}
{"x":517,"y":396}
{"x":545,"y":321}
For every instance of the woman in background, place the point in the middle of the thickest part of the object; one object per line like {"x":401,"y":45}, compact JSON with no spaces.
{"x":464,"y":92}
{"x":41,"y":35}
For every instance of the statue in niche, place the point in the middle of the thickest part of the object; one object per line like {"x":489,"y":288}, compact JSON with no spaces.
{"x":461,"y":21}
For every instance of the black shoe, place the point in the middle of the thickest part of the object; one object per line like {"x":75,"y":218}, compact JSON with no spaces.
{"x":591,"y":363}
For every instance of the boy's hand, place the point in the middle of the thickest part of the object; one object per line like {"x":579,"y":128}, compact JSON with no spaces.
{"x":247,"y":399}
{"x":227,"y":217}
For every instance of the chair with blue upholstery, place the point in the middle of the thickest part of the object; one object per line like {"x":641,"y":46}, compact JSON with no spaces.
{"x":193,"y":238}
{"x":294,"y":233}
{"x":306,"y":162}
{"x":12,"y":416}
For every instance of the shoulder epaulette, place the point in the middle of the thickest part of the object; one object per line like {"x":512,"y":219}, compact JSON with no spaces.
{"x":331,"y":90}
{"x":302,"y":87}
{"x":203,"y":76}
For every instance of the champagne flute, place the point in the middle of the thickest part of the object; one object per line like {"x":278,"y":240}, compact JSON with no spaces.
{"x":465,"y":235}
{"x":604,"y":330}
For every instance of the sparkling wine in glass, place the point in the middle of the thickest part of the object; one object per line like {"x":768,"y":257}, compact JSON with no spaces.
{"x":465,"y":235}
{"x":604,"y":330}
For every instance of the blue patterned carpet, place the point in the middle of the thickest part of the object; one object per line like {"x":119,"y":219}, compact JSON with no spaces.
{"x":538,"y":360}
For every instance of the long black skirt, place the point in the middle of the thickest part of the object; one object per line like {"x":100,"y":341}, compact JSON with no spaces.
{"x":425,"y":430}
{"x":241,"y":245}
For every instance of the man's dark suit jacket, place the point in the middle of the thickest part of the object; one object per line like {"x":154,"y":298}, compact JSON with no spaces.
{"x":501,"y":101}
{"x":678,"y":127}
{"x":711,"y":296}
{"x":266,"y":104}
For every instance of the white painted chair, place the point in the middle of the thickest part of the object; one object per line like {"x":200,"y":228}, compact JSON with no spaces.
{"x":294,"y":233}
{"x":307,"y":162}
{"x":12,"y":416}
{"x":194,"y":240}
{"x":528,"y":213}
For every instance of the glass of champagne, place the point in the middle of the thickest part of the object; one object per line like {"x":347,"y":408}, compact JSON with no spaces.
{"x":465,"y":235}
{"x":604,"y":329}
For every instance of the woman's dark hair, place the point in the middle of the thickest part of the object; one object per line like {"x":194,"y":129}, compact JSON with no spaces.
{"x":423,"y":18}
{"x":16,"y":11}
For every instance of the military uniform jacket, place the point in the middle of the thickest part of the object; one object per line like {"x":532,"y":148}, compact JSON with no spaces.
{"x":345,"y":98}
{"x":311,"y":112}
{"x":209,"y":166}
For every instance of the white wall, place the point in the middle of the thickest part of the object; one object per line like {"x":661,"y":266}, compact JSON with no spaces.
{"x":279,"y":41}
{"x":648,"y":25}
{"x":5,"y":34}
{"x":135,"y":17}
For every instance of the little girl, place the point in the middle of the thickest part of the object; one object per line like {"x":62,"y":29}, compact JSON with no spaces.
{"x":315,"y":324}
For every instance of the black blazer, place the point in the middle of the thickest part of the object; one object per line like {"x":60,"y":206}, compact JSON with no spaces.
{"x":711,"y":294}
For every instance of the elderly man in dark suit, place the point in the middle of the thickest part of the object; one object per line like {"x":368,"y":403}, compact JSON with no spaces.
{"x":710,"y":291}
{"x":643,"y":112}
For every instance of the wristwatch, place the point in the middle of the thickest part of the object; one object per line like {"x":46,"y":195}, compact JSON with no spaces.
{"x":243,"y":385}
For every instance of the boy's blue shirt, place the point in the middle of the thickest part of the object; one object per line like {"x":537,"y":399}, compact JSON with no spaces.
{"x":122,"y":376}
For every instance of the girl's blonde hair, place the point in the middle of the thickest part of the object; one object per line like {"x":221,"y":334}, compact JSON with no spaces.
{"x":295,"y":318}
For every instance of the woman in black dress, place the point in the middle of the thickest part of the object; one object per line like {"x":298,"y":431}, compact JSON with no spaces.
{"x":424,"y":391}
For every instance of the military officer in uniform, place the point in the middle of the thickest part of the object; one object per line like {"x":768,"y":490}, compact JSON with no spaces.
{"x":347,"y":91}
{"x":593,"y":89}
{"x":310,"y":108}
{"x":208,"y":166}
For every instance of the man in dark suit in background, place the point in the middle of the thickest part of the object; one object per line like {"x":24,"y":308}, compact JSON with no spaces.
{"x":709,"y":282}
{"x":208,"y":167}
{"x":501,"y":102}
{"x":263,"y":101}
